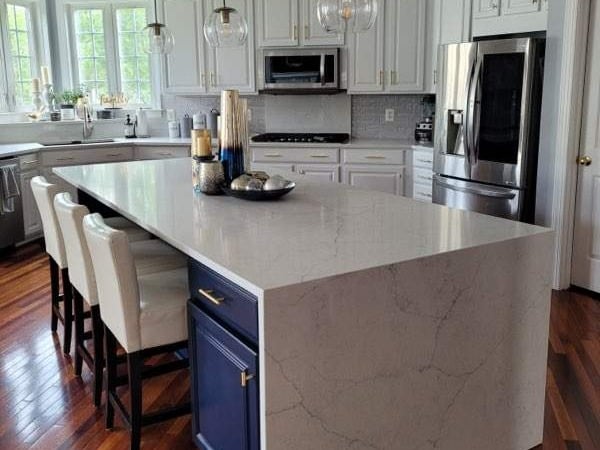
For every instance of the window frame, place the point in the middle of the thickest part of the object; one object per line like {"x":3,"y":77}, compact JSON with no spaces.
{"x":38,"y":52}
{"x":111,"y":37}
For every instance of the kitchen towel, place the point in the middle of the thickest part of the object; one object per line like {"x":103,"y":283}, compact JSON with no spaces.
{"x":9,"y":188}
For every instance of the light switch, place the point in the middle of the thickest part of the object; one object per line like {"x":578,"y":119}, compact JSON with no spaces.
{"x":389,"y":115}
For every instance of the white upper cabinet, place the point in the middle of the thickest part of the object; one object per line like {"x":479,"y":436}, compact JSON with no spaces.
{"x":184,"y":68}
{"x":496,"y":17}
{"x":405,"y":44}
{"x":390,"y":57}
{"x":233,"y":67}
{"x":292,"y":23}
{"x":194,"y":67}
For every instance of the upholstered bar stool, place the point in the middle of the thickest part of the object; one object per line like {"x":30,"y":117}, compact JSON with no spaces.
{"x":44,"y":194}
{"x":150,"y":256}
{"x":145,"y":314}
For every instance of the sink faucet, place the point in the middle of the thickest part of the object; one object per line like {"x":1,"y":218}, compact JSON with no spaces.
{"x":88,"y":126}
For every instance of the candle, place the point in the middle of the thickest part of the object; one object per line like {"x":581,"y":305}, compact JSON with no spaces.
{"x":201,"y":144}
{"x":35,"y":85}
{"x":46,"y":76}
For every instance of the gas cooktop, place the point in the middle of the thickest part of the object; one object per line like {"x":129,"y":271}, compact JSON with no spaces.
{"x":320,"y":138}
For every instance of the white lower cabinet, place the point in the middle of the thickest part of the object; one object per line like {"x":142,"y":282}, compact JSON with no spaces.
{"x":319,"y":172}
{"x":388,"y":179}
{"x":32,"y":222}
{"x":160,"y":152}
{"x":422,"y":173}
{"x":273,"y":169}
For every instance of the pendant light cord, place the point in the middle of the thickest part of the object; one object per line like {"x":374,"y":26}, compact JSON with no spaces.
{"x":156,"y":12}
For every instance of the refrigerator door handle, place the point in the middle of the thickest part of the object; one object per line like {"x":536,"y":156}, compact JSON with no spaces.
{"x":471,"y":101}
{"x":506,"y":194}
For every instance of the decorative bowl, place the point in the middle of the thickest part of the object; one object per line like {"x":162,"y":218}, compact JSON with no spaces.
{"x":258,"y":196}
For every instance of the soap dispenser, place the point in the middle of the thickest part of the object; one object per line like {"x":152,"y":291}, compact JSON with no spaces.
{"x":129,"y":128}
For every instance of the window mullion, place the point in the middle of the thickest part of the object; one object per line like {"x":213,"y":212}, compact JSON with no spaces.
{"x":112,"y":51}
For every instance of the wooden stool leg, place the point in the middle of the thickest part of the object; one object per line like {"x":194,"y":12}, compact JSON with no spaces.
{"x":79,"y":330}
{"x":134,"y":364}
{"x":97,"y":334}
{"x":55,"y":296}
{"x":68,"y":310}
{"x":110,"y":354}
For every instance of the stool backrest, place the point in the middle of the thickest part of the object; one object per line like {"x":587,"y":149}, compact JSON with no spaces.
{"x":44,"y":193}
{"x":114,"y":269}
{"x":81,"y":272}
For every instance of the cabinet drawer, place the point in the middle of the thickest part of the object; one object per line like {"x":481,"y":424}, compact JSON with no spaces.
{"x":29,"y":162}
{"x":161,"y":152}
{"x":423,"y":158}
{"x":422,"y":192}
{"x":367,"y":156}
{"x":225,"y":300}
{"x":101,"y":155}
{"x":296,"y":154}
{"x":65,"y":158}
{"x":422,"y":176}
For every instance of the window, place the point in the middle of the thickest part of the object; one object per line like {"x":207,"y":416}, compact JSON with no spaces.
{"x":109,"y":49}
{"x":19,"y":58}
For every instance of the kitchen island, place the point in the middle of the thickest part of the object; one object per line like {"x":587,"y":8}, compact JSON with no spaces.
{"x":380,"y":322}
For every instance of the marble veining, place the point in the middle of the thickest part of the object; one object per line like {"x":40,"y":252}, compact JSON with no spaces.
{"x":317,"y":231}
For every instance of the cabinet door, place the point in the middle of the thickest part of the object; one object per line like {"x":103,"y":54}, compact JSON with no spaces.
{"x":161,"y":152}
{"x":322,"y":173}
{"x":184,"y":66}
{"x":31,"y":216}
{"x":224,"y":386}
{"x":454,"y":21}
{"x":277,"y":23}
{"x":365,"y":57}
{"x":273,"y":169}
{"x":485,"y":8}
{"x":520,"y":6}
{"x":405,"y":45}
{"x":312,"y":31}
{"x":233,"y":67}
{"x":382,"y":179}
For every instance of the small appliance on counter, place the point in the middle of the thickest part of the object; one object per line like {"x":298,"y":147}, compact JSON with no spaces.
{"x":424,"y":131}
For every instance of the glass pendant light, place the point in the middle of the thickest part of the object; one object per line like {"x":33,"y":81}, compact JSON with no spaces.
{"x":335,"y":16}
{"x":225,"y":27}
{"x":160,"y":38}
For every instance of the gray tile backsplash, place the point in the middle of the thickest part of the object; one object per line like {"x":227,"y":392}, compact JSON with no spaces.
{"x":365,"y":112}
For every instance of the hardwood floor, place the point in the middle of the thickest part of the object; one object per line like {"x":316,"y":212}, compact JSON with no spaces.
{"x":44,"y":406}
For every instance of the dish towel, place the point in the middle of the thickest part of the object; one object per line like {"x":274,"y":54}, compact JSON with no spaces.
{"x":9,"y":188}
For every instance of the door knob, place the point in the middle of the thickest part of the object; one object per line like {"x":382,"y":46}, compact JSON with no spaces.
{"x":584,"y":160}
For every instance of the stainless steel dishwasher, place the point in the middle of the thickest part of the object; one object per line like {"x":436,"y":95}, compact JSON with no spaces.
{"x":11,"y":209}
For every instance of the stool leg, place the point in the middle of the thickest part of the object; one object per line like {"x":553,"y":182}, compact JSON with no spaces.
{"x":55,"y":292}
{"x":68,"y":310}
{"x":79,"y":330}
{"x":97,"y":334}
{"x":134,"y":365}
{"x":110,"y":354}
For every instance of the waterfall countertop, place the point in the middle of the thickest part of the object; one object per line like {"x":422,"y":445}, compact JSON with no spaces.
{"x":317,"y":231}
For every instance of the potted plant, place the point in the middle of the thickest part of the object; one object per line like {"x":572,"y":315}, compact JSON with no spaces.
{"x":68,"y":100}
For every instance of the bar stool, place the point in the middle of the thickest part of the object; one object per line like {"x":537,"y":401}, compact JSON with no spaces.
{"x":44,"y":194}
{"x":150,"y":256}
{"x":145,"y":314}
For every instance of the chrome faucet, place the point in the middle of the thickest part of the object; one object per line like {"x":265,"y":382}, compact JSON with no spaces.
{"x":88,"y":126}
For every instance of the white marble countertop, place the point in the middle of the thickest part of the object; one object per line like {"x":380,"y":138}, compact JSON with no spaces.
{"x":319,"y":230}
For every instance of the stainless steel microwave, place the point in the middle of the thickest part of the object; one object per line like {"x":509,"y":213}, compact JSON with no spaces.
{"x":301,"y":71}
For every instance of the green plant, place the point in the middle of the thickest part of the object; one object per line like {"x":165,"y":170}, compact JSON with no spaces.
{"x":70,"y":97}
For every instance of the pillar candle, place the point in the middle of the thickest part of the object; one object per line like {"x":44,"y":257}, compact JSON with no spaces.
{"x":35,"y":85}
{"x":46,"y":75}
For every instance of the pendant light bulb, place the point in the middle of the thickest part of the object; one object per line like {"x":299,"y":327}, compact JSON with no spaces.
{"x":335,"y":16}
{"x":225,"y":27}
{"x":159,"y":37}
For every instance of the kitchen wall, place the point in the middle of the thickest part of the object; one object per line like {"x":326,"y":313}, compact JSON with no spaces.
{"x":361,"y":115}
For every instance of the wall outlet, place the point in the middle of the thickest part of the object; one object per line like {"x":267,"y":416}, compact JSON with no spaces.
{"x":389,"y":115}
{"x":249,"y":112}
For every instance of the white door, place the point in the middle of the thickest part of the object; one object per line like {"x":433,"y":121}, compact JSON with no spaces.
{"x":383,"y":178}
{"x":278,"y":23}
{"x":485,"y":8}
{"x":31,"y":216}
{"x":319,"y":172}
{"x":520,"y":6}
{"x":312,"y":31}
{"x":365,"y":57}
{"x":233,"y":67}
{"x":405,"y":45}
{"x":585,"y":271}
{"x":185,"y":72}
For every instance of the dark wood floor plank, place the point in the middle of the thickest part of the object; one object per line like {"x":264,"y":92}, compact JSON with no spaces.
{"x":44,"y":406}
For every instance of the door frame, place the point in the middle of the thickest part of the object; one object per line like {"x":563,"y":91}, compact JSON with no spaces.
{"x":568,"y":129}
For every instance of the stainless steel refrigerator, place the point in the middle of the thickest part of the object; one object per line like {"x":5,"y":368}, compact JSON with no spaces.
{"x":487,"y":126}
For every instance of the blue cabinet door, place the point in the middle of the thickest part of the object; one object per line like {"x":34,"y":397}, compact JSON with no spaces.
{"x":224,"y":386}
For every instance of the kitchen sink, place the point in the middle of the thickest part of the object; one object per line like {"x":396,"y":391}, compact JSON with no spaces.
{"x":79,"y":142}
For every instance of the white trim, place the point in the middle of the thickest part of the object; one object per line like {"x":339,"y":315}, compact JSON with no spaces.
{"x":568,"y":122}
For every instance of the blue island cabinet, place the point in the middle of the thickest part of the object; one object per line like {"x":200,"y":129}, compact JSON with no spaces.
{"x":223,"y":363}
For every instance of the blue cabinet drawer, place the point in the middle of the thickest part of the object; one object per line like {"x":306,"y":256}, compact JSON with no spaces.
{"x":225,"y":300}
